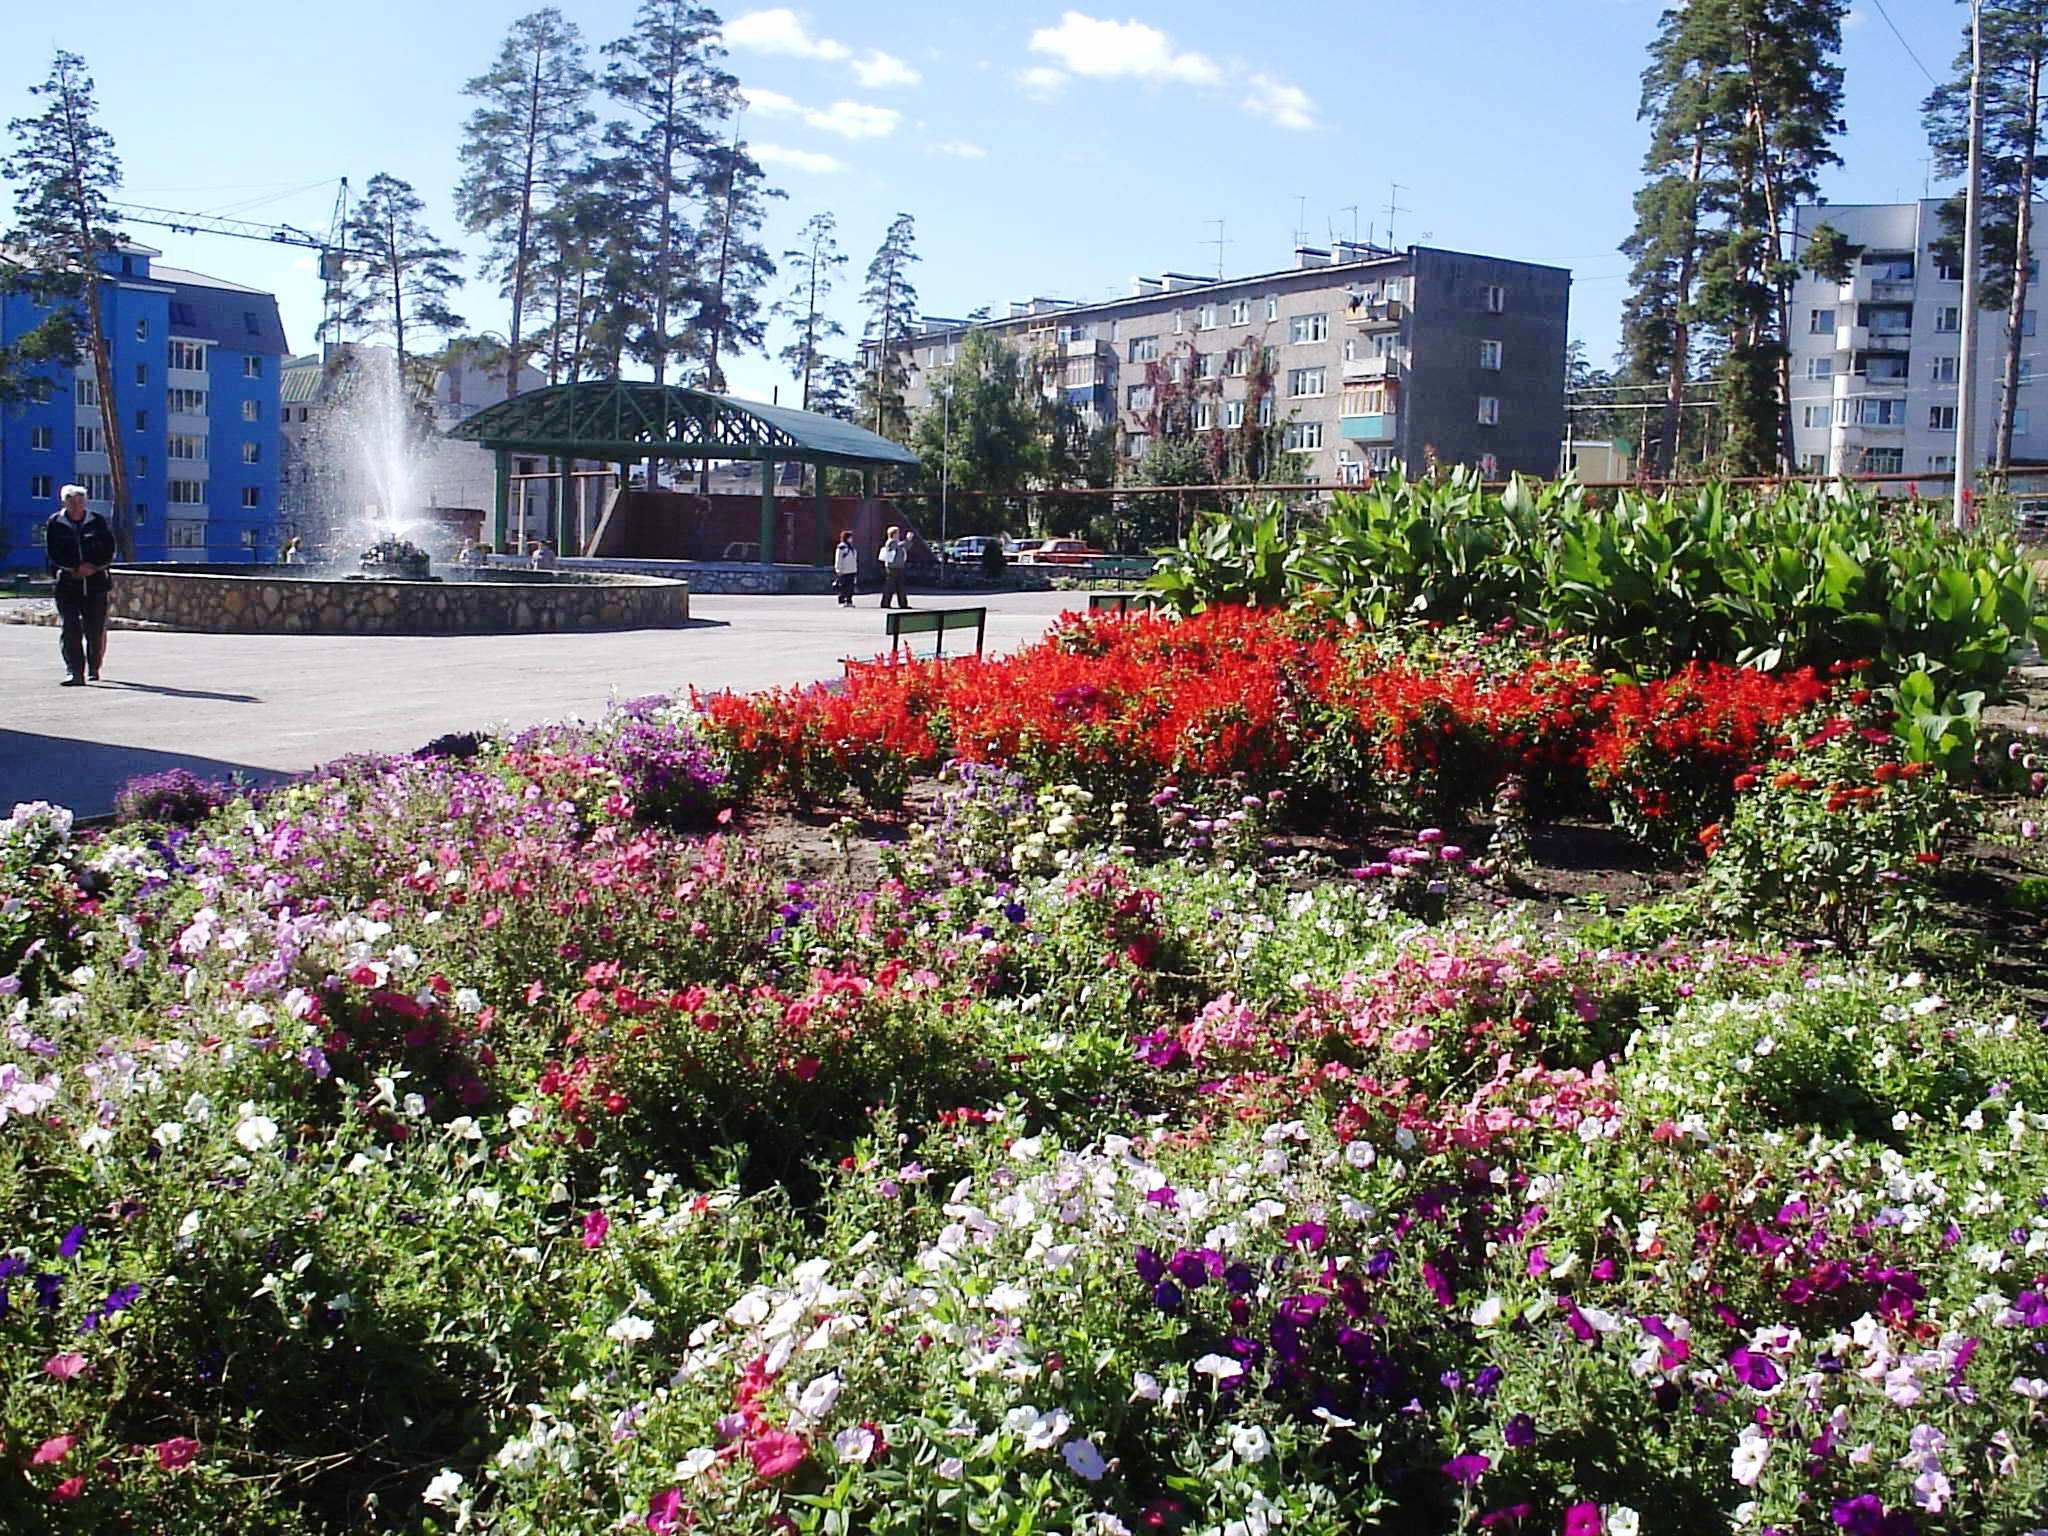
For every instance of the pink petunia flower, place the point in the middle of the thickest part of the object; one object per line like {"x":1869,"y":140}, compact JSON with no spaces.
{"x":595,"y":1225}
{"x":53,"y":1450}
{"x":176,"y":1452}
{"x":66,"y":1366}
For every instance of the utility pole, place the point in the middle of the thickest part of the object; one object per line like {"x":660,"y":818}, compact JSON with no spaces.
{"x":1966,"y":390}
{"x":945,"y":459}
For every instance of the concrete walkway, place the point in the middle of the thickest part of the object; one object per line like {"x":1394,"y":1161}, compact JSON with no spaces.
{"x":269,"y":705}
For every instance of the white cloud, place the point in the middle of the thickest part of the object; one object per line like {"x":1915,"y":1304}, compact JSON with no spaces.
{"x":780,"y":31}
{"x":847,"y":119}
{"x":1085,"y":45}
{"x":960,"y":149}
{"x":796,"y":159}
{"x":1041,"y":81}
{"x":1287,"y":105}
{"x":855,"y":120}
{"x":878,"y":70}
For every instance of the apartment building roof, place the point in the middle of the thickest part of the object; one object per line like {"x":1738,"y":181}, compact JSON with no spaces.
{"x":1039,"y":308}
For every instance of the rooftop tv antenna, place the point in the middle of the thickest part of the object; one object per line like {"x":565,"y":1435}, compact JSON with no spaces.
{"x":1219,"y":242}
{"x":1394,"y":206}
{"x":1352,"y":209}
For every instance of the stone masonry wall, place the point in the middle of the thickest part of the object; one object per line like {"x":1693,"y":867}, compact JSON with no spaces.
{"x":236,"y":604}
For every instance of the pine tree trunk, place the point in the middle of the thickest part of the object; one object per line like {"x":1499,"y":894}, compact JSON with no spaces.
{"x":397,"y":300}
{"x":2023,"y":244}
{"x":96,"y":333}
{"x":811,"y":329}
{"x":1681,"y":327}
{"x":519,"y":248}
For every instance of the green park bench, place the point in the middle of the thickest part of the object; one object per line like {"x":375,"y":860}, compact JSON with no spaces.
{"x":903,"y":623}
{"x":1122,"y":602}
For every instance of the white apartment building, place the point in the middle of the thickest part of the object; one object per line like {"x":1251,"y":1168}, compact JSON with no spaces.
{"x":1875,"y":359}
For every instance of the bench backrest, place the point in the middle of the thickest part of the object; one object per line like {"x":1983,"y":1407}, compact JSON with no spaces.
{"x":936,"y":621}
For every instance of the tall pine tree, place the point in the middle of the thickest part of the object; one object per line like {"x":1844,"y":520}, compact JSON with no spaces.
{"x":733,"y":266}
{"x":891,"y":303}
{"x":519,"y":148}
{"x":401,"y":286}
{"x":2015,"y":48}
{"x":1744,"y":100}
{"x":666,"y":76}
{"x":65,"y":173}
{"x":814,"y":263}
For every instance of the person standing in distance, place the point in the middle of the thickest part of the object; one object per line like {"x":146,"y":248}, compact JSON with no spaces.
{"x":79,"y":544}
{"x":895,"y":566}
{"x":845,"y":568}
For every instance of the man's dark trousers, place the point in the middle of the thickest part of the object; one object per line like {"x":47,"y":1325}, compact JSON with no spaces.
{"x":83,"y":613}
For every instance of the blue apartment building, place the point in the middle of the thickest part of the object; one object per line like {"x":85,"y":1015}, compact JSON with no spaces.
{"x":196,"y":366}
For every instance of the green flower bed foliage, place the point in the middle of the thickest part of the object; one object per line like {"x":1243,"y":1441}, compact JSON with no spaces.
{"x":1795,"y":576}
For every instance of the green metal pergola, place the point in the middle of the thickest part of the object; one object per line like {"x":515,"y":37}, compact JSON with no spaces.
{"x":627,"y":422}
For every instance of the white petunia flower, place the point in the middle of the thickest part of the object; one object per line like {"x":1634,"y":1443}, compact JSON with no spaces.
{"x":1222,"y":1367}
{"x":1084,"y":1460}
{"x":254,"y":1132}
{"x":1249,"y":1444}
{"x":445,"y":1488}
{"x":855,"y":1444}
{"x":630,"y":1330}
{"x":1751,"y":1452}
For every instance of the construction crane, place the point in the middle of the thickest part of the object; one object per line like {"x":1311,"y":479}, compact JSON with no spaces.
{"x":334,"y":252}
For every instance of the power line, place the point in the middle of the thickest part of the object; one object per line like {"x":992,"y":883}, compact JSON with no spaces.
{"x":1904,"y":44}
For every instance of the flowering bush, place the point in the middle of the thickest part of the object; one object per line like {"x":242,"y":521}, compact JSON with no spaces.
{"x":1836,"y":838}
{"x":176,"y":797}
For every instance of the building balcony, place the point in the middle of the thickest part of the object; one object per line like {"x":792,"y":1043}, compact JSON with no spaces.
{"x":1369,"y":429}
{"x":186,"y":378}
{"x":1387,"y":315}
{"x":1891,"y":291}
{"x":1371,"y":368}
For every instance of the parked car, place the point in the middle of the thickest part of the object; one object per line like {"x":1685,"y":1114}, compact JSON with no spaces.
{"x":2031,"y":513}
{"x":1063,"y":552}
{"x":1021,"y":550}
{"x":969,"y":551}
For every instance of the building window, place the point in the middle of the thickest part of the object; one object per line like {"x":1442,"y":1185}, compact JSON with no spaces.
{"x":1205,"y":415}
{"x":188,"y":355}
{"x":142,"y":421}
{"x":252,"y":410}
{"x":2027,"y":323}
{"x":1948,"y":320}
{"x":248,"y":538}
{"x":142,"y":375}
{"x":252,"y":367}
{"x":1233,"y":413}
{"x":1489,"y":410}
{"x":183,"y":445}
{"x":1266,"y":410}
{"x":1179,"y":322}
{"x":98,"y":487}
{"x":1820,"y":322}
{"x":188,"y":493}
{"x":1134,"y":445}
{"x":1884,"y":461}
{"x":141,"y":513}
{"x":1207,"y":321}
{"x":1943,"y":370}
{"x":1489,"y":356}
{"x":1308,"y":328}
{"x":1304,"y":436}
{"x":1496,"y":299}
{"x":1942,"y":463}
{"x":185,"y":534}
{"x":1272,"y":309}
{"x":1817,"y":415}
{"x":1139,"y":397}
{"x":252,"y":496}
{"x":252,"y":453}
{"x":1305,"y":383}
{"x":142,"y":330}
{"x":1814,"y":463}
{"x":40,"y":439}
{"x":1240,"y":311}
{"x":40,"y":488}
{"x":2020,"y":419}
{"x":1941,"y":418}
{"x":1820,"y":367}
{"x":1144,"y":349}
{"x":1948,"y":267}
{"x":85,"y":390}
{"x":185,"y":402}
{"x":90,"y":440}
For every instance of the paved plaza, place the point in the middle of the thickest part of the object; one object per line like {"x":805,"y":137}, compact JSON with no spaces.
{"x":269,"y":705}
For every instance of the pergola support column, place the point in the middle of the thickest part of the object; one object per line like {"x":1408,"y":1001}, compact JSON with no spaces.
{"x":767,"y":512}
{"x":822,"y":505}
{"x":501,"y":505}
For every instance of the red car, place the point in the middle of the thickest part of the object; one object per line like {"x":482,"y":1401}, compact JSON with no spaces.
{"x":1064,"y":552}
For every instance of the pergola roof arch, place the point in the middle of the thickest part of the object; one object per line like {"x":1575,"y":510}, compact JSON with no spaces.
{"x":628,"y":420}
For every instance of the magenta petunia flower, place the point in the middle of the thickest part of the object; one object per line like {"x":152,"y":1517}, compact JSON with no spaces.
{"x":595,"y":1225}
{"x":1467,"y":1470}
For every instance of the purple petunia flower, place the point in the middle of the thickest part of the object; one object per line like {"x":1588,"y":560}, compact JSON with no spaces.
{"x":73,"y":1241}
{"x":1519,"y":1433}
{"x":1465,"y":1471}
{"x":1309,"y":1234}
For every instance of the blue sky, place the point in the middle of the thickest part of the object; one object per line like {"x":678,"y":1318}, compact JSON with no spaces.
{"x":1042,"y":149}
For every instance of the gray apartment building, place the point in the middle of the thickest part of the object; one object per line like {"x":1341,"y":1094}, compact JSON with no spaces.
{"x":1375,"y":357}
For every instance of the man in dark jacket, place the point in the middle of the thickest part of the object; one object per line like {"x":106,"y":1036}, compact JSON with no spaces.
{"x":80,"y":547}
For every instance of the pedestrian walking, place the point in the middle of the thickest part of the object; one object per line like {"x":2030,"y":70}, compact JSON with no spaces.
{"x":293,"y":554}
{"x":544,"y":557}
{"x":895,"y":567}
{"x":845,"y":568}
{"x":79,"y":544}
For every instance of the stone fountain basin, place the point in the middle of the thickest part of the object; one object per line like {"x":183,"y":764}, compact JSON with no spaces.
{"x":297,"y":600}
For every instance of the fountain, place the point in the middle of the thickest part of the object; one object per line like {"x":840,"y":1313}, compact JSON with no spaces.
{"x":374,"y":454}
